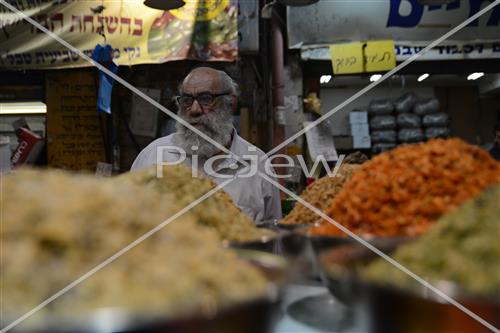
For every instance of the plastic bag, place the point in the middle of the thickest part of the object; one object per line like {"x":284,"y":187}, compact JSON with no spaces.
{"x":380,"y":107}
{"x":405,"y":103}
{"x":407,"y":135}
{"x":383,"y":122}
{"x":408,"y":120}
{"x":437,"y":132}
{"x":426,"y":106}
{"x":435,"y":120}
{"x":381,"y":147}
{"x":389,"y":136}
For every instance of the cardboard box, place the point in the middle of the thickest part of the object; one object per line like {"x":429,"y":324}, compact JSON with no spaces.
{"x":361,"y":142}
{"x":358,"y":117}
{"x":360,"y":130}
{"x":29,"y":147}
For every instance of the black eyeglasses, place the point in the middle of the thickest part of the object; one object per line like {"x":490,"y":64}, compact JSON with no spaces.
{"x":205,"y":99}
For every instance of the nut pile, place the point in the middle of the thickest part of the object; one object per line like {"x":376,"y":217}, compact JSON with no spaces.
{"x":404,"y":191}
{"x":320,"y":194}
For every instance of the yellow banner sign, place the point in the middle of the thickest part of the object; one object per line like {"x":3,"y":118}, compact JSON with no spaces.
{"x":372,"y":56}
{"x":204,"y":30}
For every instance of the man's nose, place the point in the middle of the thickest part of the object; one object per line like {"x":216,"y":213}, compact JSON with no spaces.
{"x":195,"y":109}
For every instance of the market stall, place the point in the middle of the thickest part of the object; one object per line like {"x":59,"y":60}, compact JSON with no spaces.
{"x":233,"y":202}
{"x":435,"y":204}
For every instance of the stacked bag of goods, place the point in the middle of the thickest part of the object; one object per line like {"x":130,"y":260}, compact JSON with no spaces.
{"x":409,"y":124}
{"x":382,"y":125}
{"x":405,"y":120}
{"x":434,"y":122}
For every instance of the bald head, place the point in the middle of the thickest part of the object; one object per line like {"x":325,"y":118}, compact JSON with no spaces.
{"x":206,"y":79}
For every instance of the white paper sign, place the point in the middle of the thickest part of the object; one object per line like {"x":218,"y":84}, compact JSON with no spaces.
{"x":320,"y":143}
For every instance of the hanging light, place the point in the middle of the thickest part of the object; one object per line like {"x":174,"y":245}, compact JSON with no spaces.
{"x":164,"y":4}
{"x":475,"y":76}
{"x":423,"y":77}
{"x":325,"y":79}
{"x":10,"y":108}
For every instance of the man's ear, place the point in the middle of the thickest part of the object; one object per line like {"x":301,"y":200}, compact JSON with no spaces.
{"x":234,"y":104}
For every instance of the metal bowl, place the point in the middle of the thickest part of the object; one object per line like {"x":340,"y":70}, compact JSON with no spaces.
{"x":255,"y":315}
{"x":396,"y":309}
{"x":322,"y":244}
{"x":290,"y":245}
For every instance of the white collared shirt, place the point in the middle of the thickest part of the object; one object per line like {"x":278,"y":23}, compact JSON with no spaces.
{"x":255,"y":196}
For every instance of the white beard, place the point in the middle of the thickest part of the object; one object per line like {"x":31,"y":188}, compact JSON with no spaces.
{"x":218,"y":125}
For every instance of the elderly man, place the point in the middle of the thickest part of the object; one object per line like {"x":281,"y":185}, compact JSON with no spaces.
{"x":207,"y":100}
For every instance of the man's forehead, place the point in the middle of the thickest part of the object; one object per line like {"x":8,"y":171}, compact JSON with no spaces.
{"x":201,"y":80}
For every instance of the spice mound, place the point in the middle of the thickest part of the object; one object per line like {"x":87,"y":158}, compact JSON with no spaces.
{"x":217,"y":211}
{"x":402,"y":192}
{"x":463,"y":248}
{"x":320,"y":194}
{"x":58,"y":226}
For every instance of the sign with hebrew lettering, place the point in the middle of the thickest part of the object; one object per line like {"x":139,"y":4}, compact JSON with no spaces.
{"x":74,"y":139}
{"x":370,"y":56}
{"x":408,"y":22}
{"x":347,"y":58}
{"x":379,"y":55}
{"x":200,"y":30}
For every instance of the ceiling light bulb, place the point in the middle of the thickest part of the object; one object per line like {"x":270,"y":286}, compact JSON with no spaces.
{"x":375,"y":77}
{"x":475,"y":76}
{"x":423,"y":77}
{"x":22,"y":108}
{"x":325,"y":79}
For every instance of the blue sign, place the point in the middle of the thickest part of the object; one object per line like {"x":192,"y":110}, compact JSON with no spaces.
{"x":412,"y":19}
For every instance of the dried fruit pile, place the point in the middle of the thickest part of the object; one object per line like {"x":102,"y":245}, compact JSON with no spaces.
{"x":403,"y":191}
{"x":217,"y":211}
{"x":463,"y":248}
{"x":57,"y":226}
{"x":320,"y":194}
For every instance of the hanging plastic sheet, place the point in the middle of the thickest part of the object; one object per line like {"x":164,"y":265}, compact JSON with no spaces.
{"x":103,"y":54}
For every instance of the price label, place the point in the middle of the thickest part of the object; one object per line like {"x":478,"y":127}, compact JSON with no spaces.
{"x":380,"y":56}
{"x":347,"y":58}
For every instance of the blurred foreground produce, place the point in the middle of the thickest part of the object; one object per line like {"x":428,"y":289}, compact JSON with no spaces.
{"x":463,"y":247}
{"x":320,"y":194}
{"x":404,"y":191}
{"x":217,"y":211}
{"x":57,"y":226}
